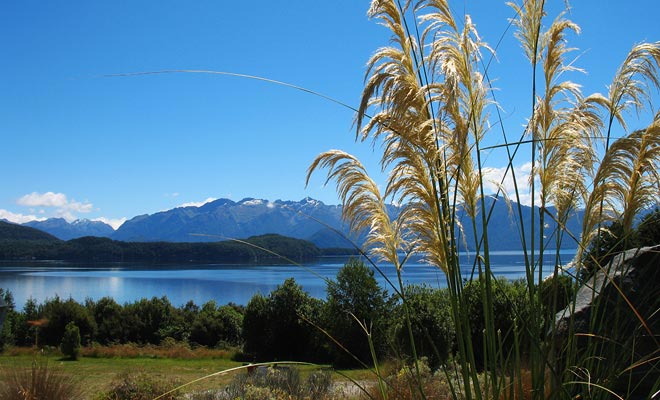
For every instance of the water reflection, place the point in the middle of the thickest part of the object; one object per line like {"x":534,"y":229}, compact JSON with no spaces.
{"x":201,"y":283}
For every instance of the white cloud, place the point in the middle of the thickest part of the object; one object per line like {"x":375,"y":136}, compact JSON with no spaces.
{"x":115,"y":223}
{"x":18,"y":218}
{"x":64,"y":208}
{"x":495,"y":178}
{"x":197,"y":203}
{"x":48,"y":199}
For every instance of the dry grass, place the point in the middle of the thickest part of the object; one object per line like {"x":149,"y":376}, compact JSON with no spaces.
{"x":39,"y":381}
{"x":175,"y":351}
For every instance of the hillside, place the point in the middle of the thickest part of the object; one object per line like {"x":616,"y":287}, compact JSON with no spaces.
{"x":9,"y":232}
{"x":95,"y":249}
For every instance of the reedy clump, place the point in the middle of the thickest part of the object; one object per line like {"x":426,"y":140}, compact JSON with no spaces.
{"x":430,"y":103}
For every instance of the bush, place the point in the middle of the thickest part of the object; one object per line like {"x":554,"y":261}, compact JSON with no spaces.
{"x":278,"y":383}
{"x":356,"y":295}
{"x":432,"y":329}
{"x":140,"y":386}
{"x":38,"y":382}
{"x":7,"y":318}
{"x":107,"y":314}
{"x":70,"y":345}
{"x":403,"y":384}
{"x":215,"y":325}
{"x":275,"y":328}
{"x":509,"y":304}
{"x":147,"y":320}
{"x":59,"y":313}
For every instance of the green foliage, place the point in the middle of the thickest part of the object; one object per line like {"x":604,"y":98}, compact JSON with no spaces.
{"x":648,"y":230}
{"x":430,"y":317}
{"x":14,"y":232}
{"x":557,"y":292}
{"x":611,"y":240}
{"x":275,"y":328}
{"x":104,"y":249}
{"x":24,"y":334}
{"x":70,"y":345}
{"x":59,"y":314}
{"x":282,"y":246}
{"x":40,"y":381}
{"x":109,"y":320}
{"x":148,"y":320}
{"x":356,"y":296}
{"x":7,"y":318}
{"x":140,"y":386}
{"x":255,"y":324}
{"x":215,"y":325}
{"x":509,"y":305}
{"x":608,"y":243}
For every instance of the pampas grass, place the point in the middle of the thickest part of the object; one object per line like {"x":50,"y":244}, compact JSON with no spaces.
{"x":428,"y":104}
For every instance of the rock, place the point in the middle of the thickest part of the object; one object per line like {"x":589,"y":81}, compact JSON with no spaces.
{"x":608,"y":329}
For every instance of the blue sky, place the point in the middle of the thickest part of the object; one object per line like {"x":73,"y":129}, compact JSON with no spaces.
{"x":79,"y":144}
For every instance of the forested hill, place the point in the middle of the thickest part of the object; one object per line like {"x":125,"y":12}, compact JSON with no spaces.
{"x":95,"y":249}
{"x":9,"y":231}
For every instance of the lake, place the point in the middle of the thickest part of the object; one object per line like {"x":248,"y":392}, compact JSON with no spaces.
{"x":127,"y":282}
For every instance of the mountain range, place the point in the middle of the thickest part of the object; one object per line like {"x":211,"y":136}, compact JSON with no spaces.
{"x":307,"y":219}
{"x":62,"y":229}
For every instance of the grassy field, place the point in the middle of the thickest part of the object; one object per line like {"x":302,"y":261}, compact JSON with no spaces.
{"x":96,"y":374}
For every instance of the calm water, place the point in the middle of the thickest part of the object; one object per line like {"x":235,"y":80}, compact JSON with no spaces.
{"x":127,"y":282}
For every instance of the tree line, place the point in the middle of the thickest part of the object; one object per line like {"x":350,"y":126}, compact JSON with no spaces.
{"x":357,"y":320}
{"x":96,"y":249}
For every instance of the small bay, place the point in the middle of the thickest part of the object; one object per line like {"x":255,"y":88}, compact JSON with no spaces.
{"x":224,"y":283}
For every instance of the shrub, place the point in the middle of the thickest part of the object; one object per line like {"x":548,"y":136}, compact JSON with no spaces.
{"x":402,"y":383}
{"x":432,"y":329}
{"x":215,"y":325}
{"x":38,"y":382}
{"x":7,"y":318}
{"x":70,"y":345}
{"x":509,"y":304}
{"x":356,"y":296}
{"x":59,"y":313}
{"x":283,"y":383}
{"x":275,"y":328}
{"x":147,"y":320}
{"x":107,"y":314}
{"x":140,"y":386}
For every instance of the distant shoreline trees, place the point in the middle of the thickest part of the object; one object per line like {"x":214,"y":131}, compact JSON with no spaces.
{"x":95,"y":249}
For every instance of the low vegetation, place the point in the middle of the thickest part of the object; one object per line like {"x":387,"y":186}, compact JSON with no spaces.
{"x":39,"y":381}
{"x":31,"y":246}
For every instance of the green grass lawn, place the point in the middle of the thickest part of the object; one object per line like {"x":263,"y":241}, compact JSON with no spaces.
{"x":96,"y":374}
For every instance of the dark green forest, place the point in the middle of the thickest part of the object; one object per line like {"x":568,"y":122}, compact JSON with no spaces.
{"x":23,"y":243}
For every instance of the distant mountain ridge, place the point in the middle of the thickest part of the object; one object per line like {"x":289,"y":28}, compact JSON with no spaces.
{"x":307,"y":219}
{"x":62,"y":229}
{"x":221,"y":219}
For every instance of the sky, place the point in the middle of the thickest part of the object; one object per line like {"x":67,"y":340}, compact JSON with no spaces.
{"x":79,"y":142}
